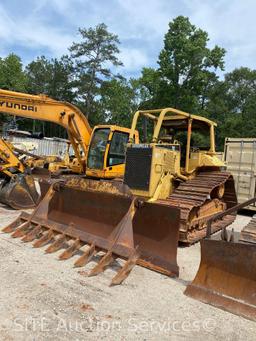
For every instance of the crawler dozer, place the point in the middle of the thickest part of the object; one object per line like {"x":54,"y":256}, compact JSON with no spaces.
{"x":226,"y":277}
{"x":169,"y":192}
{"x":17,"y":188}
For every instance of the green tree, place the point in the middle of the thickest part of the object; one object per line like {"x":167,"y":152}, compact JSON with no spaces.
{"x":54,"y":77}
{"x":187,"y":68}
{"x":232,"y":104}
{"x":117,"y":103}
{"x":12,"y":76}
{"x":95,"y":56}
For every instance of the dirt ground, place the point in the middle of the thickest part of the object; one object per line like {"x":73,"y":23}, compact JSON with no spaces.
{"x":42,"y":298}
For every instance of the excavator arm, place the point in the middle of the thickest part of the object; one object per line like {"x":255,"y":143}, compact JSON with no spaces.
{"x":9,"y":159}
{"x":41,"y":107}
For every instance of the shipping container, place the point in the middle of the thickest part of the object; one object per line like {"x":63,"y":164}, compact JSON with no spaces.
{"x":42,"y":147}
{"x":240,"y":158}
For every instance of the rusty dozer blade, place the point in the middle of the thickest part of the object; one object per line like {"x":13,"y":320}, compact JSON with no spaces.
{"x":107,"y":217}
{"x":19,"y":192}
{"x":226,"y":277}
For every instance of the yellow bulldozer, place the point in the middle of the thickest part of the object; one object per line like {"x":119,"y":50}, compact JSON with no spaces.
{"x":99,"y":153}
{"x":171,"y":188}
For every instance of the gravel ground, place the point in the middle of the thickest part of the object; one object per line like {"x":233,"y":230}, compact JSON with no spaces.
{"x":42,"y":298}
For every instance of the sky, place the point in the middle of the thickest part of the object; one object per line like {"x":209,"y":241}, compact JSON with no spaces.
{"x":48,"y":27}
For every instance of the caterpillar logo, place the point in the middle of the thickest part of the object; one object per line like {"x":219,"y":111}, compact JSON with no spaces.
{"x":18,"y":106}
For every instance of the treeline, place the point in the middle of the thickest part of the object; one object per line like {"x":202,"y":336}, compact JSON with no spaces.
{"x":189,"y":76}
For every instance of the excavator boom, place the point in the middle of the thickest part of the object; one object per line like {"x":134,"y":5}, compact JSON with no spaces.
{"x":41,"y":107}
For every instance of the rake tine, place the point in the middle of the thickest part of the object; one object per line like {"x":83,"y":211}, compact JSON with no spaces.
{"x":57,"y":244}
{"x":44,"y":239}
{"x":12,"y":226}
{"x":103,"y":263}
{"x":86,"y":257}
{"x":71,"y":250}
{"x":32,"y":235}
{"x":20,"y":231}
{"x":124,"y":272}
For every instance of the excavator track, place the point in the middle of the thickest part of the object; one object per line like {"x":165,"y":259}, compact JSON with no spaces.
{"x":198,"y":200}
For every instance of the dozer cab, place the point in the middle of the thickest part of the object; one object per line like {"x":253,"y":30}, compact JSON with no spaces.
{"x":168,"y":193}
{"x":226,"y":277}
{"x":17,"y":187}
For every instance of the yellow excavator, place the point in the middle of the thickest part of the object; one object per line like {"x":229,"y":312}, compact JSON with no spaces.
{"x":99,"y":153}
{"x":17,"y":186}
{"x":171,"y":188}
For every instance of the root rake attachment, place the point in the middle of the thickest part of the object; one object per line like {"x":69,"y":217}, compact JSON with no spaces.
{"x":119,"y":225}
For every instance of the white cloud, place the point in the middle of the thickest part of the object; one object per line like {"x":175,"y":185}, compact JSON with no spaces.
{"x":133,"y":59}
{"x":51,"y":25}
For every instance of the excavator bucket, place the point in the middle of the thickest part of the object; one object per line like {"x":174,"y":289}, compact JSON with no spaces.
{"x":19,"y":192}
{"x":87,"y":216}
{"x":226,"y":277}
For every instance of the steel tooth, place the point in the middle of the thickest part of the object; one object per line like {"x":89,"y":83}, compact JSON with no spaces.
{"x":32,"y":234}
{"x":103,"y":263}
{"x":124,"y":272}
{"x":224,"y":234}
{"x":44,"y":239}
{"x":232,"y":236}
{"x":20,"y":231}
{"x":86,"y":257}
{"x":57,"y":244}
{"x":12,"y":226}
{"x":71,"y":250}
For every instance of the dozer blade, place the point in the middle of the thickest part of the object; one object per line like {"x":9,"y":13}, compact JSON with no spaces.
{"x":19,"y":192}
{"x":226,"y":277}
{"x":105,"y":217}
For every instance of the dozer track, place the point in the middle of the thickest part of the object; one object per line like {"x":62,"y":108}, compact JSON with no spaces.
{"x":197,"y":200}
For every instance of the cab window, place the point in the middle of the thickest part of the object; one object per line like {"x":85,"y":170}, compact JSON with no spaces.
{"x":117,"y":149}
{"x":97,"y":149}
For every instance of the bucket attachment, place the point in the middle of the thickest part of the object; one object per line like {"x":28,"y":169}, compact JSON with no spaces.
{"x":87,"y":216}
{"x":19,"y":192}
{"x":226,"y":277}
{"x":248,"y":233}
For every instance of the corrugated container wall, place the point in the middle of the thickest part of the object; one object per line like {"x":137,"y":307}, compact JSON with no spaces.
{"x":43,"y":147}
{"x":240,"y":157}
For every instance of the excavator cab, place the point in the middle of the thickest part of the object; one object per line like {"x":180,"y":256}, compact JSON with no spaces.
{"x":107,"y":149}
